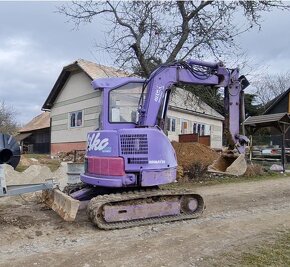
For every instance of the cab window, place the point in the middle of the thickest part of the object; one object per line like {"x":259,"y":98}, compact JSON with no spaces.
{"x":123,"y":103}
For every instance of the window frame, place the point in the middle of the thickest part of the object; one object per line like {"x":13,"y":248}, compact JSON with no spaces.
{"x":76,"y":115}
{"x":184,"y":122}
{"x":199,"y":128}
{"x":170,"y":124}
{"x":120,"y":88}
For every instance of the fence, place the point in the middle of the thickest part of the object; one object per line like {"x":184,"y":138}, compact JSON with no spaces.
{"x":204,"y":139}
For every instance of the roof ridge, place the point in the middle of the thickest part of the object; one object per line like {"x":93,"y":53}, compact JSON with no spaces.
{"x":98,"y":64}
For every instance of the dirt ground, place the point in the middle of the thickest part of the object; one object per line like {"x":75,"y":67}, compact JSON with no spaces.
{"x":237,"y":215}
{"x":189,"y":153}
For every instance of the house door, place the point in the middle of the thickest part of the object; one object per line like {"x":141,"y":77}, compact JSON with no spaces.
{"x":184,"y":127}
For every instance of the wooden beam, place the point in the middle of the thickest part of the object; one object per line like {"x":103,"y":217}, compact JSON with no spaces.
{"x":288,"y":102}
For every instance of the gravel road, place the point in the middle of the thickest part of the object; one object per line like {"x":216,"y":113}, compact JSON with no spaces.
{"x":237,"y":215}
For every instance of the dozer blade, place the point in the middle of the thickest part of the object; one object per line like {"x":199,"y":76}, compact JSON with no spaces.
{"x":230,"y":164}
{"x":65,"y":206}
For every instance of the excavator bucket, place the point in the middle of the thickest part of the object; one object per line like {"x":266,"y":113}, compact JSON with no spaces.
{"x":228,"y":163}
{"x":65,"y":206}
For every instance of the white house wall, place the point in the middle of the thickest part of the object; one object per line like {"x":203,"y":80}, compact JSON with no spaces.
{"x":76,"y":95}
{"x":181,"y":98}
{"x":215,"y":126}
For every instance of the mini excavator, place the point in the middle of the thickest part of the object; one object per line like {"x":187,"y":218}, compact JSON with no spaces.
{"x":129,"y":157}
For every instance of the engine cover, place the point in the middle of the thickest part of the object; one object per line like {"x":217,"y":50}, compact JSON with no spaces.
{"x":146,"y":152}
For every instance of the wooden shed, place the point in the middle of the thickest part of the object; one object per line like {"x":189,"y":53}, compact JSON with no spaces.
{"x":34,"y":137}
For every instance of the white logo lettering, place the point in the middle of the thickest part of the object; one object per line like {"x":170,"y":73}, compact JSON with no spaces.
{"x":94,"y":143}
{"x":159,"y":161}
{"x":158,"y":93}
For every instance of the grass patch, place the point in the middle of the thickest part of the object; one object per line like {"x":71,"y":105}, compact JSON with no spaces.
{"x":276,"y":254}
{"x":21,"y":168}
{"x":52,"y":164}
{"x":37,"y":156}
{"x":272,"y":252}
{"x":225,"y":180}
{"x":241,"y":179}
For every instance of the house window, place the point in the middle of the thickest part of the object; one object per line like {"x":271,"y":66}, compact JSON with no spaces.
{"x":198,"y":129}
{"x":194,"y":128}
{"x":201,"y":129}
{"x":171,"y":124}
{"x":76,"y":119}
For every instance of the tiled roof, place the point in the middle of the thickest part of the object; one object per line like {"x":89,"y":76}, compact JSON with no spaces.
{"x":181,"y":100}
{"x":94,"y":70}
{"x":187,"y":101}
{"x":39,"y":122}
{"x":91,"y":69}
{"x":276,"y":120}
{"x":269,"y":118}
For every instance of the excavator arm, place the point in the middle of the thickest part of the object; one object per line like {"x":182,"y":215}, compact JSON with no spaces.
{"x":195,"y":72}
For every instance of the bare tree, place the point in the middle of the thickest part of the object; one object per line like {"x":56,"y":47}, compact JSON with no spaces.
{"x":8,"y":123}
{"x":270,"y":86}
{"x":144,"y":34}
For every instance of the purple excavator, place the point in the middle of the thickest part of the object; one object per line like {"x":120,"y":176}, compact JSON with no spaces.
{"x":129,"y":156}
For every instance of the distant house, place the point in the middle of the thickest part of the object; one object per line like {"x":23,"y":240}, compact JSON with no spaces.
{"x":34,"y":137}
{"x":192,"y":115}
{"x":280,"y":104}
{"x":75,"y":108}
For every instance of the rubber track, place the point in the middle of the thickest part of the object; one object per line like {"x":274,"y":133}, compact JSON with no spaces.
{"x":96,"y":204}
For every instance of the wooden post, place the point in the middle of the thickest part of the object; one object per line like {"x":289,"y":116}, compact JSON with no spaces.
{"x":243,"y":111}
{"x":251,"y":147}
{"x":283,"y":148}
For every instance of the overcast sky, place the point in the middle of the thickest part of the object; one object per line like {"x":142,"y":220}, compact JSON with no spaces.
{"x":36,"y":42}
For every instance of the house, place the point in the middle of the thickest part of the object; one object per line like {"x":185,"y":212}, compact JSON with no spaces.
{"x":191,"y":115}
{"x":75,"y":109}
{"x":280,"y":104}
{"x":34,"y":137}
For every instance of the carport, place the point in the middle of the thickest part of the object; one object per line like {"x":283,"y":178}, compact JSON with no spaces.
{"x":280,"y":121}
